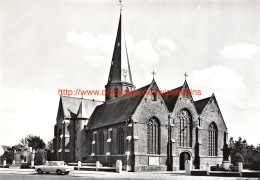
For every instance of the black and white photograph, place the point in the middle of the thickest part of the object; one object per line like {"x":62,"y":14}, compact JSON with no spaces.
{"x":129,"y":89}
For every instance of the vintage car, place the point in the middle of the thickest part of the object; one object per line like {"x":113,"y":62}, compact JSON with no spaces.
{"x":58,"y":167}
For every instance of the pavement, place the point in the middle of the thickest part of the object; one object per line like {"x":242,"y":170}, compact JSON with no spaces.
{"x":112,"y":175}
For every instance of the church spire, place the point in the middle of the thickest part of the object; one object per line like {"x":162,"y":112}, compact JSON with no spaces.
{"x":120,"y":76}
{"x":120,"y":70}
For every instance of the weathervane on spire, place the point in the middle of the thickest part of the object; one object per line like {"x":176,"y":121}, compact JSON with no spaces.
{"x":153,"y":73}
{"x":185,"y":74}
{"x":121,"y":5}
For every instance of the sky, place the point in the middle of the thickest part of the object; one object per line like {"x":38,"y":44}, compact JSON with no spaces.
{"x":46,"y":45}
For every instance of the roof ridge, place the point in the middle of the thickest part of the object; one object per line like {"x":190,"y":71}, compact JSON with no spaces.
{"x":81,"y":98}
{"x":203,"y":99}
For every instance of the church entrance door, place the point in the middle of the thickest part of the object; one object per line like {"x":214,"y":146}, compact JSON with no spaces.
{"x":183,"y":157}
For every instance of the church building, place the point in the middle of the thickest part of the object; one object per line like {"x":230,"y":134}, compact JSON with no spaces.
{"x":146,"y":129}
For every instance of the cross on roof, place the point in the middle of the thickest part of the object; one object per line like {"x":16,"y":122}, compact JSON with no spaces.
{"x":153,"y":73}
{"x":185,"y":74}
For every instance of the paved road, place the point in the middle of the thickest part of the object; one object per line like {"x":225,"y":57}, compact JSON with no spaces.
{"x":109,"y":175}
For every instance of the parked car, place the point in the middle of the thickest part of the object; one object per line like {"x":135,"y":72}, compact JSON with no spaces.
{"x":58,"y":167}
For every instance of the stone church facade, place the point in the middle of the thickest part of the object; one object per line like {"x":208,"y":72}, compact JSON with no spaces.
{"x":144,"y":128}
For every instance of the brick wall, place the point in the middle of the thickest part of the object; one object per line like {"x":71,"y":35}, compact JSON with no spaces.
{"x":210,"y":114}
{"x":146,"y":110}
{"x":186,"y":103}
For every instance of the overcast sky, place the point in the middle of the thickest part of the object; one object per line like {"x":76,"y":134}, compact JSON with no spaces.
{"x":50,"y":44}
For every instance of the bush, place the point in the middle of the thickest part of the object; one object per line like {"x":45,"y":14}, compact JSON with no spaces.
{"x":234,"y":168}
{"x":255,"y":166}
{"x":237,"y":158}
{"x":84,"y":160}
{"x":217,"y":168}
{"x":8,"y":156}
{"x":246,"y":165}
{"x":213,"y":168}
{"x":40,"y":157}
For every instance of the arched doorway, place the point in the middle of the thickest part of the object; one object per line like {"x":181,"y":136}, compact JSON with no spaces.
{"x":183,"y":157}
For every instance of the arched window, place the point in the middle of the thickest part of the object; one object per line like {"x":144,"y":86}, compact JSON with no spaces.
{"x":116,"y":92}
{"x":225,"y":137}
{"x":121,"y":141}
{"x":185,"y":128}
{"x":213,"y":139}
{"x":93,"y":143}
{"x":153,"y":136}
{"x":154,"y":96}
{"x":60,"y":140}
{"x":101,"y":142}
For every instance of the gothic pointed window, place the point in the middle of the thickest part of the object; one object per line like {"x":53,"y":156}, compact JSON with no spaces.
{"x":121,"y":141}
{"x":153,"y":136}
{"x":60,"y":139}
{"x":213,"y":139}
{"x":185,"y":128}
{"x":101,"y":142}
{"x":94,"y":143}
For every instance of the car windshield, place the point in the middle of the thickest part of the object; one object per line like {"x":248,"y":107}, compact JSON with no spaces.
{"x":61,"y":163}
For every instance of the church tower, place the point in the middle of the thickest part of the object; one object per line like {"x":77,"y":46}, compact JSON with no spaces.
{"x":120,"y":77}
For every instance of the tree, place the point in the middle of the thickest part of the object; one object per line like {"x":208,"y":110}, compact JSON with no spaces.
{"x":241,"y":152}
{"x":258,"y":147}
{"x":40,"y":157}
{"x":34,"y":141}
{"x":48,"y":149}
{"x":8,"y":156}
{"x":50,"y":145}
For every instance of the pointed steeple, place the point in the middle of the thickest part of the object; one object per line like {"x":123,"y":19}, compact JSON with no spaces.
{"x":81,"y":112}
{"x":120,"y":76}
{"x":120,"y":70}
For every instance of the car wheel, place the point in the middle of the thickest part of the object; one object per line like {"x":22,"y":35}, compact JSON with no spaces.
{"x":39,"y":171}
{"x":59,"y":172}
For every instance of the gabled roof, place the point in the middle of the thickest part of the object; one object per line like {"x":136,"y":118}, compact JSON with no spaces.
{"x":71,"y":106}
{"x":214,"y":97}
{"x":117,"y":110}
{"x":201,"y":104}
{"x":170,"y":98}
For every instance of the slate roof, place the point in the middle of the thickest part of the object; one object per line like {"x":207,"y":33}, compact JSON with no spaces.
{"x":201,"y":104}
{"x":71,"y":106}
{"x":116,"y":110}
{"x":170,"y":98}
